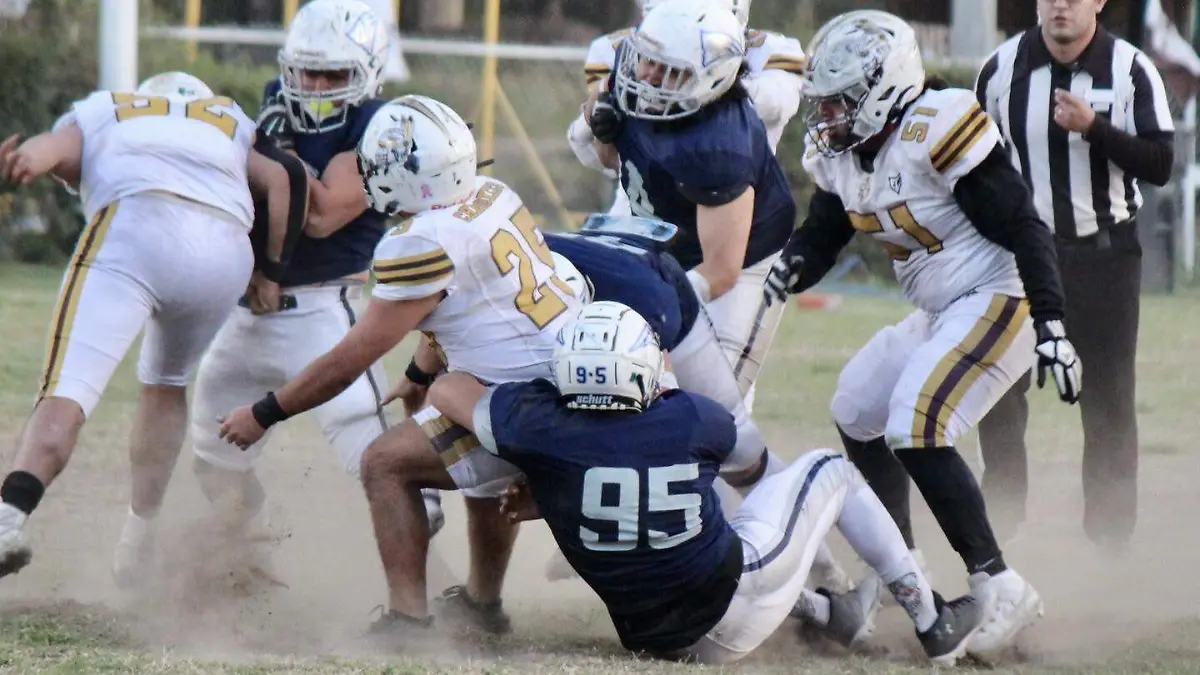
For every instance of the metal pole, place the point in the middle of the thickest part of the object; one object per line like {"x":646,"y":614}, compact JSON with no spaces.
{"x":118,"y":45}
{"x":487,"y":116}
{"x":539,"y":169}
{"x":973,"y":26}
{"x":290,"y":7}
{"x":192,"y":19}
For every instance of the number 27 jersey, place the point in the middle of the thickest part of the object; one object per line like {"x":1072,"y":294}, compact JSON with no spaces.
{"x":906,"y":202}
{"x":504,"y":302}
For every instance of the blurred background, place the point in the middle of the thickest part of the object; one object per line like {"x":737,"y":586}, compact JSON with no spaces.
{"x":523,"y":93}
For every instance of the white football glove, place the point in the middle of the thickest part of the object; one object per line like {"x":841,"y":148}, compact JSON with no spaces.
{"x":783,"y":277}
{"x":1057,"y":354}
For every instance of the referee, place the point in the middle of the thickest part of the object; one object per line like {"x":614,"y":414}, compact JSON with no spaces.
{"x":1085,"y":117}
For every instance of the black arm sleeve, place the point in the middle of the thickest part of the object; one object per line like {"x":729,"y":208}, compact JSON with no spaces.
{"x":825,"y":232}
{"x":297,"y":208}
{"x":997,"y":201}
{"x":1147,"y":157}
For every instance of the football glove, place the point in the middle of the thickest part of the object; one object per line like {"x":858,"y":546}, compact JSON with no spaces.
{"x":274,"y":125}
{"x":607,"y":120}
{"x":783,"y":278}
{"x":1056,"y":354}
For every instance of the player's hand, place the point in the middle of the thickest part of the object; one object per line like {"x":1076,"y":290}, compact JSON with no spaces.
{"x":606,"y":119}
{"x":1056,"y":354}
{"x":274,"y":124}
{"x":782,"y":279}
{"x":1072,"y":113}
{"x":24,"y":163}
{"x":240,"y":428}
{"x":412,"y":395}
{"x":517,"y":503}
{"x":263,"y":295}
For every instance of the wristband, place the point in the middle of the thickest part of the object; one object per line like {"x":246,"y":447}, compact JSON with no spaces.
{"x":272,"y":271}
{"x":700,"y":285}
{"x":418,"y":376}
{"x":267,"y":411}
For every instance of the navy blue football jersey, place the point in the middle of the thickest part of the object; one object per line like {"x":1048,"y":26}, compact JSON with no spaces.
{"x":706,"y":159}
{"x":350,"y":249}
{"x":629,"y":498}
{"x":630,"y":270}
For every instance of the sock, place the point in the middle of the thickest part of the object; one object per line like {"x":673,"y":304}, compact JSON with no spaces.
{"x":136,"y":527}
{"x":886,"y":476}
{"x":950,"y":490}
{"x":22,"y":490}
{"x":870,"y":531}
{"x":814,"y":606}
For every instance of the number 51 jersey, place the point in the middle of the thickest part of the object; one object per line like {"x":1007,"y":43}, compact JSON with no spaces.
{"x":907,"y":203}
{"x":504,"y":303}
{"x":197,"y":149}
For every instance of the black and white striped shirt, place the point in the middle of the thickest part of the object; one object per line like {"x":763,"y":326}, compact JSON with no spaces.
{"x":1077,"y":187}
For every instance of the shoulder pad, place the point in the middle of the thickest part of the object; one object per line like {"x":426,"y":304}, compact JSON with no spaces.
{"x":766,"y":50}
{"x":948,"y":131}
{"x":410,"y":263}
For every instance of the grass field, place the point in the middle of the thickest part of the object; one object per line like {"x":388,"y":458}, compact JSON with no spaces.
{"x":63,"y":615}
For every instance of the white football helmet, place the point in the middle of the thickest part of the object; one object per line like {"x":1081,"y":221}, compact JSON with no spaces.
{"x":684,"y":55}
{"x":740,"y":8}
{"x":331,"y":36}
{"x":581,"y":286}
{"x":174,"y":83}
{"x":863,"y":69}
{"x":416,"y":154}
{"x":608,"y":358}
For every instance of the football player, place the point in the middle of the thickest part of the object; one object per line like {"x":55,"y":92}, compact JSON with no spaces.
{"x":693,"y":151}
{"x":164,"y":174}
{"x":772,"y":80}
{"x":331,"y":68}
{"x":623,"y":476}
{"x":921,"y":169}
{"x":471,"y":270}
{"x":622,"y":260}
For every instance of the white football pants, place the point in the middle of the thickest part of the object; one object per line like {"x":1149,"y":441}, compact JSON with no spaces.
{"x":153,"y":260}
{"x":253,"y":355}
{"x":782,"y":523}
{"x":928,"y":380}
{"x":745,"y":325}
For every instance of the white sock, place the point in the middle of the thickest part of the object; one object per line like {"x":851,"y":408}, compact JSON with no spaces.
{"x":814,"y":606}
{"x":137,"y":528}
{"x":872,"y":534}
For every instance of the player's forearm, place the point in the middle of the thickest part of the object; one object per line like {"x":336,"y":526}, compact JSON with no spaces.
{"x":320,"y":382}
{"x":819,"y":241}
{"x":426,"y":357}
{"x":1147,"y":158}
{"x":607,"y":154}
{"x":64,"y":148}
{"x":996,"y":200}
{"x":330,"y":210}
{"x":724,"y":233}
{"x":583,"y":144}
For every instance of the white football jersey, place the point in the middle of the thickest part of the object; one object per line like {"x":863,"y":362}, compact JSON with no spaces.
{"x":504,"y":302}
{"x":907,"y":202}
{"x":766,"y":52}
{"x":197,"y":150}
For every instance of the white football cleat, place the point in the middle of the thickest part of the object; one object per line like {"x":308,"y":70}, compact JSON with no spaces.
{"x":828,"y":574}
{"x":15,"y":552}
{"x":1012,"y":603}
{"x":433,"y":510}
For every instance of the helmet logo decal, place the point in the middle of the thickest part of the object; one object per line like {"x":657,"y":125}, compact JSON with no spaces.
{"x":715,"y":47}
{"x":363,"y":33}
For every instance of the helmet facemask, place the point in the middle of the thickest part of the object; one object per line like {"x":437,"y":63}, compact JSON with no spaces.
{"x":313,"y":110}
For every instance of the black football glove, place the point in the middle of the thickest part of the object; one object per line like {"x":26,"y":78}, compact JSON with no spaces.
{"x":274,"y":125}
{"x":783,"y":278}
{"x":1057,"y":354}
{"x":607,"y":120}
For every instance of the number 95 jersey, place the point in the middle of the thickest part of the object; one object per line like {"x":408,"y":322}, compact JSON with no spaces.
{"x":907,"y":201}
{"x":504,"y":303}
{"x":197,"y":149}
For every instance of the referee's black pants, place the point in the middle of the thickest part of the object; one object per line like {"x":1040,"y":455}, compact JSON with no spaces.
{"x":1102,"y":281}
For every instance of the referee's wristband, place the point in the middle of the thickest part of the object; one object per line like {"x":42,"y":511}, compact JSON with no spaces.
{"x":418,"y":376}
{"x":267,"y":411}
